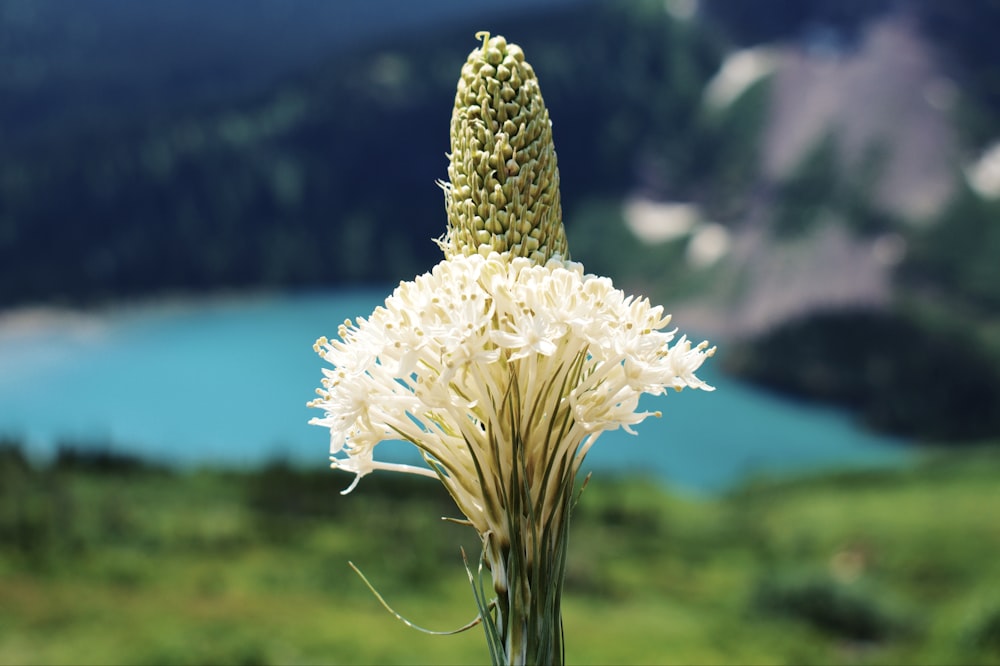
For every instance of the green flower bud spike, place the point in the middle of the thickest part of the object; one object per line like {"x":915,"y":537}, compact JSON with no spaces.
{"x":503,"y":194}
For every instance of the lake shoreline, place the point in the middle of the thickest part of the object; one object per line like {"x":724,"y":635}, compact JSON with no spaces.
{"x":104,"y":456}
{"x":224,"y":380}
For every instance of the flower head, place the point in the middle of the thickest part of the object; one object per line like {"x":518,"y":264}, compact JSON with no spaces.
{"x":483,"y":351}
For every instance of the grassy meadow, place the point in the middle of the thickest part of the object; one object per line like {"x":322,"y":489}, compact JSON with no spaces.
{"x":106,"y":560}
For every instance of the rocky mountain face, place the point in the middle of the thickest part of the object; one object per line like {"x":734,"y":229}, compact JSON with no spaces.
{"x":881,"y":109}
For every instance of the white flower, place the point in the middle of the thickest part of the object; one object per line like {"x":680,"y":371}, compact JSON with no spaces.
{"x":486,"y":354}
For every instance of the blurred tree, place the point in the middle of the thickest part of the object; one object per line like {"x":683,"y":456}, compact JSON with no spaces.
{"x":954,"y":260}
{"x":901,"y":375}
{"x":748,"y":23}
{"x":965,"y":33}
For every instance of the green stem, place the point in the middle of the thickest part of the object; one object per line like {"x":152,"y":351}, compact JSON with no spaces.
{"x":528,"y":576}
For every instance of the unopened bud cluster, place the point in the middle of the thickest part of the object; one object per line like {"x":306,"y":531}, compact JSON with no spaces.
{"x":503,"y":194}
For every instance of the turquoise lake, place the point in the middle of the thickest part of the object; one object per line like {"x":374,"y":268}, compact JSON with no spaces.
{"x":226,"y":382}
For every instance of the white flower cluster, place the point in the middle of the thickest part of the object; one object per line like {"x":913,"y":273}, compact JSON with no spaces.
{"x":486,"y":354}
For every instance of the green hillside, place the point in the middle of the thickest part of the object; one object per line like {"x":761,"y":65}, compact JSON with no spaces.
{"x":103,"y":560}
{"x":330,"y":177}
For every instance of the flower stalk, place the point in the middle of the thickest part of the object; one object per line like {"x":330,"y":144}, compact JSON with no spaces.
{"x":505,"y":362}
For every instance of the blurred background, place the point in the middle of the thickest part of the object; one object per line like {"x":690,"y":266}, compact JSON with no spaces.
{"x":191,"y":192}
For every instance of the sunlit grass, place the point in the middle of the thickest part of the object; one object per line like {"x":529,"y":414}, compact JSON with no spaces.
{"x":150,"y":567}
